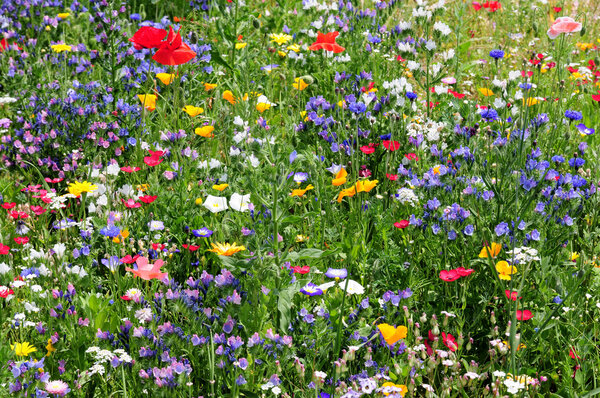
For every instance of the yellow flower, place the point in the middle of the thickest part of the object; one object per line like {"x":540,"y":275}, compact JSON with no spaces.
{"x":530,"y":101}
{"x":209,"y":86}
{"x":77,"y":188}
{"x":366,"y":185}
{"x":225,"y":249}
{"x":63,"y":15}
{"x":392,"y":334}
{"x":293,"y":47}
{"x":262,"y":106}
{"x":340,"y":178}
{"x":239,"y":46}
{"x":281,"y":53}
{"x":193,"y":111}
{"x":346,"y":192}
{"x":574,"y":256}
{"x":220,"y":187}
{"x":148,"y":101}
{"x":50,"y":348}
{"x":301,"y":238}
{"x":301,"y":192}
{"x":436,"y":170}
{"x":228,"y":96}
{"x":394,"y":388}
{"x":299,"y":84}
{"x":22,"y":349}
{"x":198,"y":201}
{"x":486,"y":92}
{"x":492,"y":250}
{"x":165,"y":78}
{"x":205,"y":131}
{"x":505,"y":270}
{"x":280,"y":38}
{"x":58,"y":48}
{"x":142,"y":187}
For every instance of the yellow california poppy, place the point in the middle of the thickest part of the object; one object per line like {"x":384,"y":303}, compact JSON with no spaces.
{"x":366,"y":185}
{"x":220,"y":187}
{"x":148,"y":101}
{"x":340,"y":178}
{"x":301,"y":192}
{"x":205,"y":131}
{"x":486,"y":92}
{"x":392,"y":334}
{"x":505,"y":270}
{"x":490,"y":251}
{"x":193,"y":111}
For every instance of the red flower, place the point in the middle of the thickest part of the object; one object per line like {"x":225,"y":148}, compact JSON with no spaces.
{"x":327,"y":42}
{"x":5,"y":291}
{"x":53,"y":180}
{"x":512,"y":295}
{"x":573,"y":354}
{"x":412,"y":156}
{"x":18,"y":214}
{"x":368,"y":149}
{"x":456,"y":95}
{"x":148,"y":199}
{"x":464,"y":272}
{"x":191,"y":248}
{"x":401,"y":224}
{"x":392,"y":177}
{"x":4,"y":249}
{"x":129,"y":169}
{"x":524,"y":315}
{"x":158,"y":246}
{"x":38,"y":210}
{"x":492,"y":5}
{"x":21,"y":240}
{"x":148,"y":37}
{"x":305,"y":269}
{"x":449,"y":341}
{"x":449,"y":276}
{"x":131,"y":204}
{"x":128,"y":259}
{"x":476,"y":6}
{"x":596,"y":97}
{"x":8,"y":206}
{"x":557,"y":9}
{"x":173,"y":51}
{"x":391,"y":145}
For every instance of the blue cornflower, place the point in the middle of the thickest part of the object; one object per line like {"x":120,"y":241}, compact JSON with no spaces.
{"x":110,"y":231}
{"x":489,"y":115}
{"x":411,"y":96}
{"x":357,"y":107}
{"x":573,"y":115}
{"x":525,"y":86}
{"x":497,"y":54}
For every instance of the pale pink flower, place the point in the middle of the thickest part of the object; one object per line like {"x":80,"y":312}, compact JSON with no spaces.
{"x":563,"y":25}
{"x":148,"y":271}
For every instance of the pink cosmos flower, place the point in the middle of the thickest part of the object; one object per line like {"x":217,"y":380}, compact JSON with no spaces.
{"x":563,"y":25}
{"x":148,"y":271}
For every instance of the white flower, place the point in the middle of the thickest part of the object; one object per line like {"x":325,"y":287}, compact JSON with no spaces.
{"x":144,"y":315}
{"x":113,"y":169}
{"x":447,"y":362}
{"x":513,"y":387}
{"x":472,"y":375}
{"x":442,"y":28}
{"x":59,"y":249}
{"x":353,"y":287}
{"x":326,"y":286}
{"x":215,"y":203}
{"x":4,"y":268}
{"x":239,"y":202}
{"x":276,"y":390}
{"x":412,"y":65}
{"x":214,"y":163}
{"x":253,"y":160}
{"x":498,"y":373}
{"x":320,"y":375}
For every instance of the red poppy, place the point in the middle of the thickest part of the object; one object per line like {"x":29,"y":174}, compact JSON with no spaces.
{"x":38,"y":210}
{"x":512,"y":295}
{"x":4,"y":45}
{"x":368,"y":88}
{"x":456,"y":95}
{"x":449,"y":341}
{"x":412,"y":156}
{"x":129,"y":169}
{"x":148,"y":37}
{"x":158,"y":246}
{"x":326,"y":41}
{"x":305,"y":269}
{"x":401,"y":224}
{"x":557,"y":9}
{"x":148,"y":199}
{"x":524,"y":315}
{"x":493,"y":6}
{"x":5,"y":291}
{"x":128,"y":259}
{"x":21,"y":240}
{"x":368,"y":149}
{"x":596,"y":97}
{"x":573,"y":354}
{"x":53,"y":180}
{"x":8,"y":206}
{"x":391,"y":145}
{"x":392,"y":177}
{"x":449,"y":276}
{"x":464,"y":272}
{"x":126,"y":298}
{"x":173,"y":51}
{"x":191,"y":248}
{"x":4,"y":249}
{"x":18,"y":214}
{"x":131,"y":204}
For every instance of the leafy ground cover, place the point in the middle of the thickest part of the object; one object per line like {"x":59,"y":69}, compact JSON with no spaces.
{"x":299,"y":198}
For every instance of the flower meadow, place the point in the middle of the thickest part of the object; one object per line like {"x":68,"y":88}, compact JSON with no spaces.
{"x":299,"y":198}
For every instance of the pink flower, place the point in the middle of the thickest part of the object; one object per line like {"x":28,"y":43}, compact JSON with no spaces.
{"x":464,"y":272}
{"x":449,"y":276}
{"x":148,"y":271}
{"x":524,"y":315}
{"x":563,"y":25}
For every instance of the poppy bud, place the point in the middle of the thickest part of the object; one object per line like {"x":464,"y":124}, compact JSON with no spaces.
{"x":255,"y":23}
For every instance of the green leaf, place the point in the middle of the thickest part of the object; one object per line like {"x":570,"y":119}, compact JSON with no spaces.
{"x":235,"y":263}
{"x":215,"y":56}
{"x":100,"y":319}
{"x":284,"y":306}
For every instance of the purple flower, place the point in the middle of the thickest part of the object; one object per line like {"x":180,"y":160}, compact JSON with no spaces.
{"x":340,"y":273}
{"x":202,"y":232}
{"x":311,"y":290}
